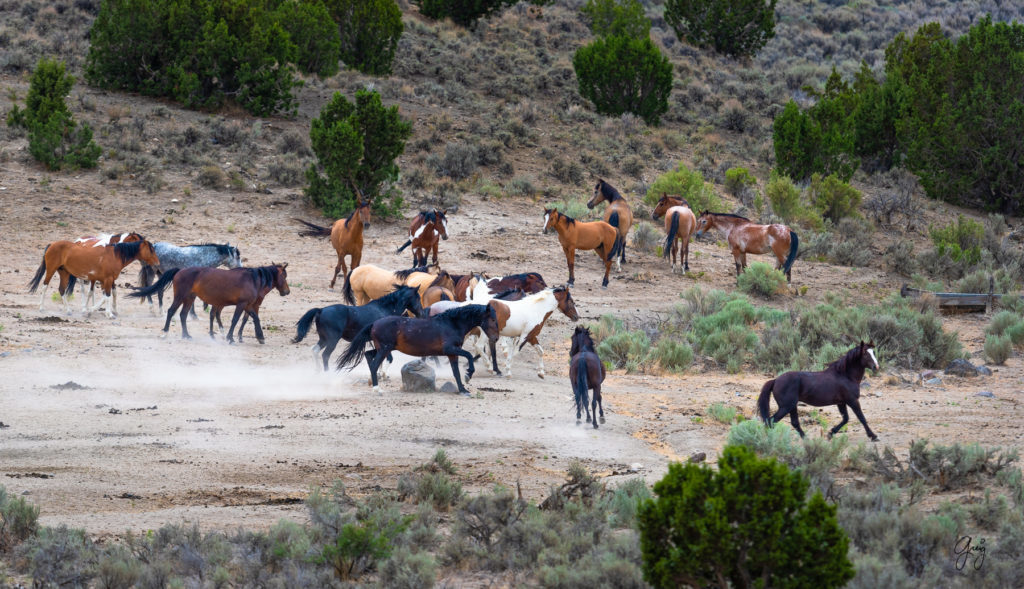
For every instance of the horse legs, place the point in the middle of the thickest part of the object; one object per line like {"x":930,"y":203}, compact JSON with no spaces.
{"x":855,"y":405}
{"x":453,"y":354}
{"x":684,"y":253}
{"x":340,"y":267}
{"x":374,"y":358}
{"x":846,"y":417}
{"x":532,"y":340}
{"x":214,"y":313}
{"x":183,"y":316}
{"x":570,"y":259}
{"x":239,"y":309}
{"x":599,"y":406}
{"x":327,"y":350}
{"x":795,"y":420}
{"x":255,"y":314}
{"x":433,"y":251}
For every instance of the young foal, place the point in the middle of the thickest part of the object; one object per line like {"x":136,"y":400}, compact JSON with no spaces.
{"x":680,"y":224}
{"x":585,"y":372}
{"x":346,"y":237}
{"x":746,"y":237}
{"x":838,"y":384}
{"x":617,"y":214}
{"x":595,"y":235}
{"x":424,"y":231}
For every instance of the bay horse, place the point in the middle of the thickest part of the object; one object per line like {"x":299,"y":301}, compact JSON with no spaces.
{"x":440,"y":335}
{"x":680,"y":223}
{"x":594,"y":235}
{"x":424,"y":231}
{"x":244,"y":288}
{"x":171,"y":256}
{"x":528,"y":282}
{"x":586,"y":371}
{"x":501,"y":312}
{"x":344,"y":322}
{"x":838,"y":384}
{"x":368,"y":282}
{"x":95,"y":264}
{"x":746,"y":237}
{"x":104,"y":239}
{"x":346,"y":237}
{"x":617,"y":214}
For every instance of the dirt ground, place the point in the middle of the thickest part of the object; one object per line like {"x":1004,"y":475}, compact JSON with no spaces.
{"x":109,"y":427}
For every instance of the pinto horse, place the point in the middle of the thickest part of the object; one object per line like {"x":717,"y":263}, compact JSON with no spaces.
{"x":838,"y":384}
{"x":441,"y":335}
{"x":244,"y":288}
{"x":94,"y":264}
{"x":346,"y":237}
{"x":101,"y":240}
{"x":528,"y":282}
{"x":586,"y":371}
{"x":344,"y":322}
{"x":369,"y":282}
{"x":746,"y":237}
{"x":573,"y":235}
{"x":424,"y":231}
{"x":680,"y":224}
{"x":617,"y":214}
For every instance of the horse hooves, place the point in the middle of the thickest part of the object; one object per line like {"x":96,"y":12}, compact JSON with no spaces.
{"x":874,"y":438}
{"x":469,"y":376}
{"x":465,"y":393}
{"x":602,"y":419}
{"x":540,"y":375}
{"x":595,"y":424}
{"x":262,"y":341}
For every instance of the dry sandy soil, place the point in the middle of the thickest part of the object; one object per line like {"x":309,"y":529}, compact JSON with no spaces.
{"x":159,"y":430}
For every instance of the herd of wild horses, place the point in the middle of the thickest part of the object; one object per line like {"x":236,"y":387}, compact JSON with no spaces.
{"x":427,"y":312}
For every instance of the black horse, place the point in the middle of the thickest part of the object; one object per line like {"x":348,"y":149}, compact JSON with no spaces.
{"x":586,"y":372}
{"x":440,"y":335}
{"x":338,"y":322}
{"x":838,"y":384}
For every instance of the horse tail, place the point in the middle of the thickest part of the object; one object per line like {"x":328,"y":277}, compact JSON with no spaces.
{"x":158,"y":287}
{"x":34,"y":283}
{"x":146,"y":274}
{"x":617,"y":247}
{"x":794,"y":243}
{"x":302,"y":327}
{"x":580,"y":387}
{"x":72,"y":281}
{"x":762,"y":402}
{"x":404,"y":245}
{"x":444,"y":297}
{"x":314,"y":230}
{"x":346,"y":289}
{"x":354,"y":353}
{"x":613,"y":220}
{"x":670,"y":241}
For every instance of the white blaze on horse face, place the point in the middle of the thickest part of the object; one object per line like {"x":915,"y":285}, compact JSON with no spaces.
{"x":547,"y":217}
{"x":874,"y":361}
{"x":445,"y":223}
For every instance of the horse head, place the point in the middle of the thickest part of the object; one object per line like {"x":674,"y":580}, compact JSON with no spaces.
{"x":550,"y":219}
{"x":490,"y":323}
{"x":704,"y":223}
{"x":235,"y":256}
{"x":281,"y":278}
{"x":147,"y":255}
{"x":662,"y":206}
{"x":364,"y":213}
{"x":411,"y":300}
{"x":581,"y":340}
{"x":867,"y":350}
{"x":565,"y":303}
{"x":598,"y":195}
{"x":441,"y":223}
{"x":133,"y":236}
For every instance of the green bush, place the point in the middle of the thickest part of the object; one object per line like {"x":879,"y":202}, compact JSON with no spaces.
{"x":611,"y":18}
{"x":738,"y":180}
{"x":784,"y":197}
{"x":356,"y":146}
{"x":779,"y":441}
{"x":645,"y":237}
{"x":462,"y":12}
{"x":960,"y":240}
{"x":60,"y":557}
{"x":54,"y":138}
{"x":19,"y":520}
{"x":369,"y":33}
{"x":762,"y":279}
{"x":688,"y":184}
{"x":737,"y":28}
{"x":1002,"y":321}
{"x":408,"y":570}
{"x":624,"y":350}
{"x":706,"y":527}
{"x":998,"y":348}
{"x":820,"y":139}
{"x":834,"y":198}
{"x":624,"y":74}
{"x":310,"y":27}
{"x":672,"y":355}
{"x":722,"y":413}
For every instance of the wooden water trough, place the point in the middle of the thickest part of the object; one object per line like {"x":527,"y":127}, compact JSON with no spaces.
{"x":957,"y":302}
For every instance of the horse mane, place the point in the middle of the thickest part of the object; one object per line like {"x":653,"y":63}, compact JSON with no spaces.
{"x":395,"y":295}
{"x":222,"y":248}
{"x":584,"y":333}
{"x":568,"y":220}
{"x":263,"y":276}
{"x":466,"y":311}
{"x":127,"y":250}
{"x":733,"y":215}
{"x":403,"y":274}
{"x":842,"y":364}
{"x":609,"y":191}
{"x":440,"y":278}
{"x":428,"y":216}
{"x":505,"y":293}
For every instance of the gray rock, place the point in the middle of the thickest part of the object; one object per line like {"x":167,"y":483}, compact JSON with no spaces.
{"x":961,"y":367}
{"x":933,"y":381}
{"x":698,"y":457}
{"x":987,"y":394}
{"x":449,"y":387}
{"x":984,"y":371}
{"x":418,"y":377}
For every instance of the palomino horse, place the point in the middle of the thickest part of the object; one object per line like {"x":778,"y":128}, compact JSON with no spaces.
{"x":346,"y":237}
{"x":617,"y":214}
{"x":838,"y":384}
{"x":586,"y":371}
{"x":209,"y":255}
{"x":368,"y":282}
{"x":101,"y":240}
{"x":244,"y":288}
{"x":680,"y":223}
{"x":573,"y":235}
{"x":441,"y":335}
{"x":343,"y":322}
{"x":437,"y":293}
{"x":746,"y":237}
{"x":527,"y":317}
{"x":94,"y":264}
{"x":424,"y":231}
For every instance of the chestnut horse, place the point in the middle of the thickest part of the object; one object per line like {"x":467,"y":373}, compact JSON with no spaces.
{"x":346,"y":237}
{"x":595,"y":235}
{"x":838,"y":384}
{"x":369,"y":282}
{"x":746,"y":237}
{"x":440,"y":335}
{"x":586,"y":371}
{"x":94,"y":264}
{"x":424,"y":231}
{"x":100,"y":241}
{"x":244,"y":288}
{"x":680,"y":223}
{"x":617,"y":214}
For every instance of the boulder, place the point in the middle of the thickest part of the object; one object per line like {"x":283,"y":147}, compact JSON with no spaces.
{"x":418,"y":377}
{"x":449,"y":387}
{"x":984,"y":371}
{"x":961,"y":367}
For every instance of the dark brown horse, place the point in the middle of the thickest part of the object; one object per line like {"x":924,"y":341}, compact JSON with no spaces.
{"x":838,"y":384}
{"x":617,"y":214}
{"x":585,"y":372}
{"x":424,"y":231}
{"x":746,"y":237}
{"x":244,"y":288}
{"x":346,"y":237}
{"x":573,"y":235}
{"x":680,"y":224}
{"x":529,"y":282}
{"x":441,"y":335}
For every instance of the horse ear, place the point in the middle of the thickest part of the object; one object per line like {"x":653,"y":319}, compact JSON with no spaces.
{"x":285,"y":265}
